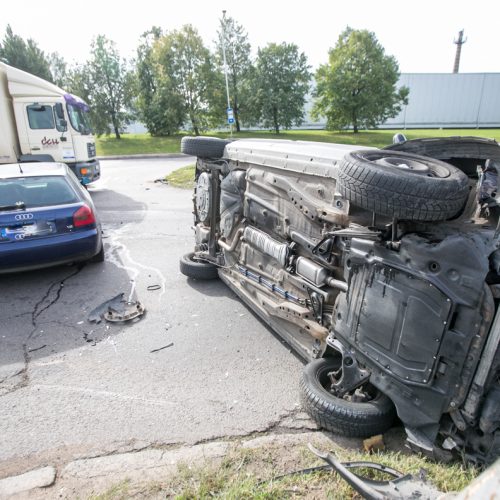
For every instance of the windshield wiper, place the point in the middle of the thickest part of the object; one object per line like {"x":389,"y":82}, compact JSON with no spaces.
{"x":20,"y":205}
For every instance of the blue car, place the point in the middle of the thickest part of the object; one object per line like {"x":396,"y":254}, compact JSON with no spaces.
{"x":46,"y":218}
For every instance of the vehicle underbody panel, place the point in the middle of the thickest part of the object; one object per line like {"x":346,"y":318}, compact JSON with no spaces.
{"x":410,"y":306}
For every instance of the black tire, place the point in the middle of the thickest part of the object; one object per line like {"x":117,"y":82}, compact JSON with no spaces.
{"x":346,"y":418}
{"x":402,"y":185}
{"x":197,"y":269}
{"x":203,"y":147}
{"x":100,"y":256}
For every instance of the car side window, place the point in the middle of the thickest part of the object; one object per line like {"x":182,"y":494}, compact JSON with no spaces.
{"x":40,"y":116}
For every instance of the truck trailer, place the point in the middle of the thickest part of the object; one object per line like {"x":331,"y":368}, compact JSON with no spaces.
{"x":41,"y":122}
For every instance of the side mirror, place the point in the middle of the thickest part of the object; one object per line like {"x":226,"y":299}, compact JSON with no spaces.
{"x":61,"y":125}
{"x":60,"y":112}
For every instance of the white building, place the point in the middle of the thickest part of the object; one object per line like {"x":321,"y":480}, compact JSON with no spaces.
{"x":443,"y":100}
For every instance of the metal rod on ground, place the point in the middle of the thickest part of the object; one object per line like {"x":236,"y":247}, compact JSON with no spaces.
{"x":225,"y":64}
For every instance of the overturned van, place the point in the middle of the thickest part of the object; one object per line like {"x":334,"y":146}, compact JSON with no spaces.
{"x":380,"y":267}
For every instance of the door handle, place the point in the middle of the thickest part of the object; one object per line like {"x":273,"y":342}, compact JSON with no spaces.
{"x":35,"y":149}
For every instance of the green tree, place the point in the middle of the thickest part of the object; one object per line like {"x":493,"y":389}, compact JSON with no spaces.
{"x":107,"y":81}
{"x":160,"y":106}
{"x":25,"y":55}
{"x":187,"y":75}
{"x":58,"y":69}
{"x":78,"y":82}
{"x":233,"y":36}
{"x":280,"y":84}
{"x":358,"y":85}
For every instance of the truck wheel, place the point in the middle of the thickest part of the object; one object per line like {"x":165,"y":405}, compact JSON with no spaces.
{"x":402,"y":185}
{"x":203,"y":147}
{"x":344,"y":416}
{"x":197,"y":269}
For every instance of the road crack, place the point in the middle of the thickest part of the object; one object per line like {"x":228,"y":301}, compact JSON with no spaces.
{"x":39,"y":309}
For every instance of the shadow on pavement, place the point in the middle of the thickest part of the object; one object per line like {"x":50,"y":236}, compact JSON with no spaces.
{"x":45,"y":312}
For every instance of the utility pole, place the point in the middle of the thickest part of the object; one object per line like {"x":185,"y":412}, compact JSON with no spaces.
{"x":230,"y":119}
{"x":459,"y":44}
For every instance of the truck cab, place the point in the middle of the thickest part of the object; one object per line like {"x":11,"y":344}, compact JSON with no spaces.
{"x":41,"y":122}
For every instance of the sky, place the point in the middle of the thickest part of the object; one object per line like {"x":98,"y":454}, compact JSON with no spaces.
{"x":419,"y":34}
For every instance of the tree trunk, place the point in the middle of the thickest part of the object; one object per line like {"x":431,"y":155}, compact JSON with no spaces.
{"x":236,"y":112}
{"x":195,"y":126}
{"x":355,"y":129}
{"x":116,"y":128}
{"x":275,"y":120}
{"x":236,"y":118}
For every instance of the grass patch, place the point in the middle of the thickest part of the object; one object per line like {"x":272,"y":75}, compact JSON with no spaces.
{"x":182,"y":177}
{"x":131,"y":144}
{"x":145,"y":143}
{"x":249,"y":474}
{"x":119,"y":490}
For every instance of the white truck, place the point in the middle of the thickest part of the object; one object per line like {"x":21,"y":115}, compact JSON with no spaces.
{"x":41,"y":122}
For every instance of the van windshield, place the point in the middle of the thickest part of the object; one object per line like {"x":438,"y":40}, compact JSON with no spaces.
{"x":79,"y":119}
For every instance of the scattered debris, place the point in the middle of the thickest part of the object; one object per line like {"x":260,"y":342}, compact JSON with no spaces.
{"x":161,"y":180}
{"x":117,"y":309}
{"x":164,"y":347}
{"x":37,"y":348}
{"x":126,"y":312}
{"x":374,"y":443}
{"x":399,"y":487}
{"x":152,"y":288}
{"x":89,"y":339}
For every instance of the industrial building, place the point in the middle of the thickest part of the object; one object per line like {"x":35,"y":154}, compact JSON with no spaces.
{"x":442,"y":100}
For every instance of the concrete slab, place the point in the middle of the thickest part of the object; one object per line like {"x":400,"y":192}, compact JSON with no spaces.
{"x":38,"y":478}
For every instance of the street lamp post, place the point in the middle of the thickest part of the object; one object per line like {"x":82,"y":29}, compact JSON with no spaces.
{"x":225,"y":69}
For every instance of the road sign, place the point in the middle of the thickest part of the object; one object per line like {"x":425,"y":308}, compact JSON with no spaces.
{"x":230,"y":116}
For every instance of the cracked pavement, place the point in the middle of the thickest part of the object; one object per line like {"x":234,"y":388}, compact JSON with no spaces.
{"x":71,"y":389}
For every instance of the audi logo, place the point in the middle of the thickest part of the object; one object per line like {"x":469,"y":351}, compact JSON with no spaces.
{"x":24,"y":216}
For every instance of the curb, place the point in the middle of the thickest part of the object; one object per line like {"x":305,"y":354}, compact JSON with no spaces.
{"x":88,"y":477}
{"x":142,"y":156}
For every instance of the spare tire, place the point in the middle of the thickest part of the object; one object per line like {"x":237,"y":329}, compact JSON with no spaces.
{"x":203,"y":147}
{"x":402,"y":185}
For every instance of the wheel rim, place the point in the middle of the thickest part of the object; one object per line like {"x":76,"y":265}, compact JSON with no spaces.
{"x":413,"y":166}
{"x":365,"y":393}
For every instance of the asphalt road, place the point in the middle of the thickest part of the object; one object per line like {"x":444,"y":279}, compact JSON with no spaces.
{"x":71,"y":388}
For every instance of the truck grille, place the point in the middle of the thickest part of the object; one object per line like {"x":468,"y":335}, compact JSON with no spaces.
{"x":91,"y":149}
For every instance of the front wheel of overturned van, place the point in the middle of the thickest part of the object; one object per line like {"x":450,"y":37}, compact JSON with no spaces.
{"x":362,"y":413}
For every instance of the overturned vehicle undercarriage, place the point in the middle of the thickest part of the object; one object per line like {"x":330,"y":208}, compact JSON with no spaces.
{"x":380,"y":268}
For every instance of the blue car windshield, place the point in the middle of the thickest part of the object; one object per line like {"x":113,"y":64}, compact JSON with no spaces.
{"x":79,"y":119}
{"x":29,"y":192}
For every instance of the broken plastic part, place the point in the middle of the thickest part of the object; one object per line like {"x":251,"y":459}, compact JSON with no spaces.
{"x":117,"y":309}
{"x":402,"y":486}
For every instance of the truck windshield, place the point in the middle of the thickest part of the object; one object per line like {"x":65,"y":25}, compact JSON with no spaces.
{"x":79,"y":119}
